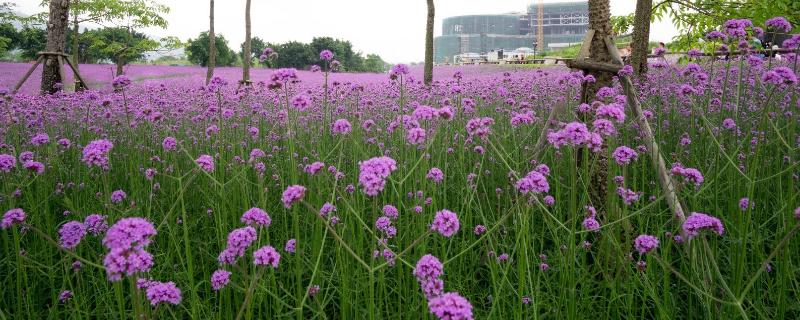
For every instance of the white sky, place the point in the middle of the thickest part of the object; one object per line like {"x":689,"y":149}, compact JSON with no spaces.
{"x":394,"y":29}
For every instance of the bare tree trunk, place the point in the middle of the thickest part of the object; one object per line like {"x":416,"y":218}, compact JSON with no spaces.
{"x":56,"y":42}
{"x":212,"y":46}
{"x":246,"y":54}
{"x":429,"y":44}
{"x":600,"y":22}
{"x":120,"y":66}
{"x":641,"y":36}
{"x":75,"y":49}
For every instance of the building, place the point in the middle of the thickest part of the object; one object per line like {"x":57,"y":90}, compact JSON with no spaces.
{"x":563,"y":22}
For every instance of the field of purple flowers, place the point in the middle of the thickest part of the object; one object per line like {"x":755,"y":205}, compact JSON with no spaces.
{"x":316,"y":195}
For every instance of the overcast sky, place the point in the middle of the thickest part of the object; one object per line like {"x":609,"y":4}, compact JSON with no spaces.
{"x":394,"y":29}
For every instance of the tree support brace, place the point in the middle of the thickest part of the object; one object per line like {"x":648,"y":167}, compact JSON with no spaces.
{"x":62,"y":59}
{"x":583,"y":63}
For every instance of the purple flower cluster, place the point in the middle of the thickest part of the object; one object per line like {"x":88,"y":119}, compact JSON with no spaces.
{"x":535,"y":181}
{"x":238,"y":241}
{"x":624,"y":155}
{"x":163,"y":292}
{"x":256,"y":217}
{"x":450,"y":306}
{"x":778,"y":24}
{"x":341,"y":127}
{"x":70,"y":234}
{"x":697,"y":221}
{"x":220,"y":279}
{"x":7,"y":163}
{"x":127,"y":239}
{"x":12,"y":217}
{"x":645,"y":243}
{"x":435,"y":174}
{"x":267,"y":256}
{"x":292,"y":194}
{"x":428,"y":272}
{"x":479,"y":127}
{"x":95,"y":154}
{"x":206,"y":163}
{"x":373,"y":174}
{"x":445,"y":223}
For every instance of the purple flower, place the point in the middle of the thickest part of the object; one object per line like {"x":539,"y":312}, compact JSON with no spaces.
{"x":117,"y":196}
{"x":416,"y":136}
{"x":326,"y":55}
{"x":267,"y":256}
{"x":301,"y":102}
{"x":341,"y":126}
{"x":95,"y":154}
{"x":390,"y":211}
{"x":291,"y":246}
{"x":65,"y":296}
{"x":96,"y":224}
{"x":479,"y":229}
{"x":591,"y":224}
{"x":159,"y":292}
{"x":169,"y":144}
{"x":326,"y":209}
{"x":34,"y":166}
{"x":697,"y":221}
{"x":292,"y":194}
{"x":450,"y":306}
{"x":445,"y":223}
{"x":744,"y":203}
{"x":436,"y":175}
{"x":40,"y":139}
{"x":70,"y":234}
{"x":129,"y":233}
{"x":628,"y":196}
{"x":373,"y":173}
{"x":779,"y":24}
{"x":121,"y":81}
{"x":205,"y":162}
{"x":12,"y":217}
{"x":780,"y":76}
{"x":220,"y":279}
{"x":645,"y":243}
{"x":284,"y":74}
{"x":256,"y":217}
{"x":7,"y":162}
{"x":126,"y":261}
{"x":624,"y":155}
{"x":534,"y":182}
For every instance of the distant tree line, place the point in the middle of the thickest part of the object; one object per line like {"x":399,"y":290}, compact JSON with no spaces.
{"x":291,"y":54}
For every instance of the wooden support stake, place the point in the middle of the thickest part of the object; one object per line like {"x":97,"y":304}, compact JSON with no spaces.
{"x":587,"y":43}
{"x":76,"y":73}
{"x":61,"y":73}
{"x":27,"y":75}
{"x":652,"y":146}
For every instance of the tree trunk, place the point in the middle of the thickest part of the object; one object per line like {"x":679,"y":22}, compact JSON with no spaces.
{"x":641,"y":36}
{"x":246,"y":54}
{"x":429,"y":44}
{"x":75,"y":49}
{"x":56,"y":42}
{"x":212,"y":46}
{"x":600,"y":22}
{"x":120,"y":65}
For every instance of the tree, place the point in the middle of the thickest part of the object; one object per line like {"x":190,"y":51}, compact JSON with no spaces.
{"x":246,"y":62}
{"x":257,"y":46}
{"x":56,"y":42}
{"x":197,"y":50}
{"x":8,"y":36}
{"x":641,"y":36}
{"x":429,"y":44}
{"x":212,"y":49}
{"x":694,"y":18}
{"x":31,"y":41}
{"x":600,"y":22}
{"x":374,"y":63}
{"x":295,"y":54}
{"x":121,"y":45}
